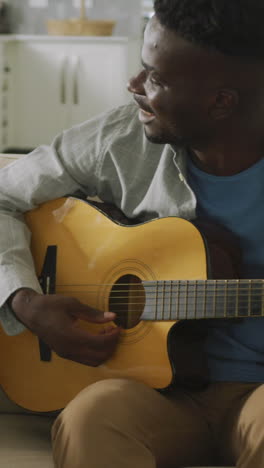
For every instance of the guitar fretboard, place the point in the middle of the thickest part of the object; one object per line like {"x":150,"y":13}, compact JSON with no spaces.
{"x":203,"y":299}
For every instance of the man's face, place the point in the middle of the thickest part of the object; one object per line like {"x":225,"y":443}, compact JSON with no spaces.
{"x":172,"y":90}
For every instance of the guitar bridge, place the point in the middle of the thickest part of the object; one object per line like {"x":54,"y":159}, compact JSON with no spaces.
{"x":47,"y":281}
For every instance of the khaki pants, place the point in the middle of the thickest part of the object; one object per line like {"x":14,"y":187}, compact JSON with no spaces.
{"x":124,"y":424}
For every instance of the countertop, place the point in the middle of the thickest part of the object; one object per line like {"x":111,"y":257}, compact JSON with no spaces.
{"x":50,"y":38}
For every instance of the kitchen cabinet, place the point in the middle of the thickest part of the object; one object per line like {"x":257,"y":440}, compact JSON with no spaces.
{"x":57,"y":83}
{"x":5,"y":88}
{"x":1,"y":93}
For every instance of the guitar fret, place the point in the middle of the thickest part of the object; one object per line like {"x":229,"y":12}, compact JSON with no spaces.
{"x":178,"y":301}
{"x":167,"y":292}
{"x":172,"y":302}
{"x":256,"y":302}
{"x":210,"y":298}
{"x":170,"y":299}
{"x":214,"y":305}
{"x":243,"y":299}
{"x":195,"y":301}
{"x":220,"y":299}
{"x":203,"y":299}
{"x":249,"y":297}
{"x":156,"y":303}
{"x":225,"y":307}
{"x":199,"y":300}
{"x":190,"y":311}
{"x":237,"y":299}
{"x":186,"y":299}
{"x":180,"y":287}
{"x":167,"y":300}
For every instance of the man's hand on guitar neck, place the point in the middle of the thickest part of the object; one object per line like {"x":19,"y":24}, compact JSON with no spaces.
{"x":53,"y":318}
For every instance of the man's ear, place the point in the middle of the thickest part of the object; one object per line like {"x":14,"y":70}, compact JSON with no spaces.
{"x":224,"y":104}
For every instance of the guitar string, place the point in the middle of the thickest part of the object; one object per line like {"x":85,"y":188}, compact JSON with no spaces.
{"x":176,"y":283}
{"x":182,"y":315}
{"x":145,"y":285}
{"x":154,"y":291}
{"x":209,"y":294}
{"x":181,"y":303}
{"x":180,"y":289}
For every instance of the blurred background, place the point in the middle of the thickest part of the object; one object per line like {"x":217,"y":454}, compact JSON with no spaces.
{"x":29,"y":16}
{"x":58,"y":67}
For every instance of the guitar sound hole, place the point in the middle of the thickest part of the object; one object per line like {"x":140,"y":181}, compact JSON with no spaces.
{"x":127,"y":300}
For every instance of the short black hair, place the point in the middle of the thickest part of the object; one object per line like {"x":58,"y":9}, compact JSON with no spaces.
{"x":232,"y":27}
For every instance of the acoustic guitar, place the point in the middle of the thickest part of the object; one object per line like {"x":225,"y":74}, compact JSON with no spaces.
{"x":154,"y":275}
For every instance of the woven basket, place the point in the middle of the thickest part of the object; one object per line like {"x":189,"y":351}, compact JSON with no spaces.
{"x":80,"y":27}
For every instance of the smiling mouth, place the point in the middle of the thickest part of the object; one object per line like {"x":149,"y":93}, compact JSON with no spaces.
{"x":150,"y":114}
{"x":145,"y":117}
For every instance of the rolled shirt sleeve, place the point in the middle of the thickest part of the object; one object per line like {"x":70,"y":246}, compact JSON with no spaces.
{"x":49,"y":172}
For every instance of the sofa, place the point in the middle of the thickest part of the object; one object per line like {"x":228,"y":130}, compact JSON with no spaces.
{"x":24,"y":437}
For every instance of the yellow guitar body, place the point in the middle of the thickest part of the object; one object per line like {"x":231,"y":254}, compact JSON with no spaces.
{"x":93,"y":254}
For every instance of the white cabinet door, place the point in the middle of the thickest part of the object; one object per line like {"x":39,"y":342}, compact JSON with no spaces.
{"x":5,"y":82}
{"x":59,"y":83}
{"x":99,"y":78}
{"x":1,"y":95}
{"x":41,"y":108}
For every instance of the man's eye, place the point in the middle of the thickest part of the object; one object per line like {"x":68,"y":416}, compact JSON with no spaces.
{"x":154,"y":81}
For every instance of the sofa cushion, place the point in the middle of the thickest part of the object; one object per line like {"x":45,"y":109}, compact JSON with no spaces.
{"x":25,"y":441}
{"x":8,"y":158}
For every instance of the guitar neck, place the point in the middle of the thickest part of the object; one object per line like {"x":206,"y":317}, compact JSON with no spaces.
{"x":203,"y":299}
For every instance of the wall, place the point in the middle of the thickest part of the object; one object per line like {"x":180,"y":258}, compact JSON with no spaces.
{"x":26,"y":19}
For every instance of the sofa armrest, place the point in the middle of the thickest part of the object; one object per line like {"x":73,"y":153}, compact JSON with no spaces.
{"x":6,"y":159}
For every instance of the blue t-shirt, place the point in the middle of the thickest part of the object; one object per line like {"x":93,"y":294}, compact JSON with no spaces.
{"x":236,"y":351}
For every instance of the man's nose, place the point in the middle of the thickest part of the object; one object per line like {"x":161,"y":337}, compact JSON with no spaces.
{"x":136,"y":83}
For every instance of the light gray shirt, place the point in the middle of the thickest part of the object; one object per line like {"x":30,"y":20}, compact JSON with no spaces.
{"x":109,"y":157}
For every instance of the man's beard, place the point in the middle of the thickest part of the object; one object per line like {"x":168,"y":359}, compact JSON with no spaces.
{"x":166,"y":139}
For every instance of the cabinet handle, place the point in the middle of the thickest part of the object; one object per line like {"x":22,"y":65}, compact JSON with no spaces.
{"x":63,"y":81}
{"x":75,"y":82}
{"x":5,"y":85}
